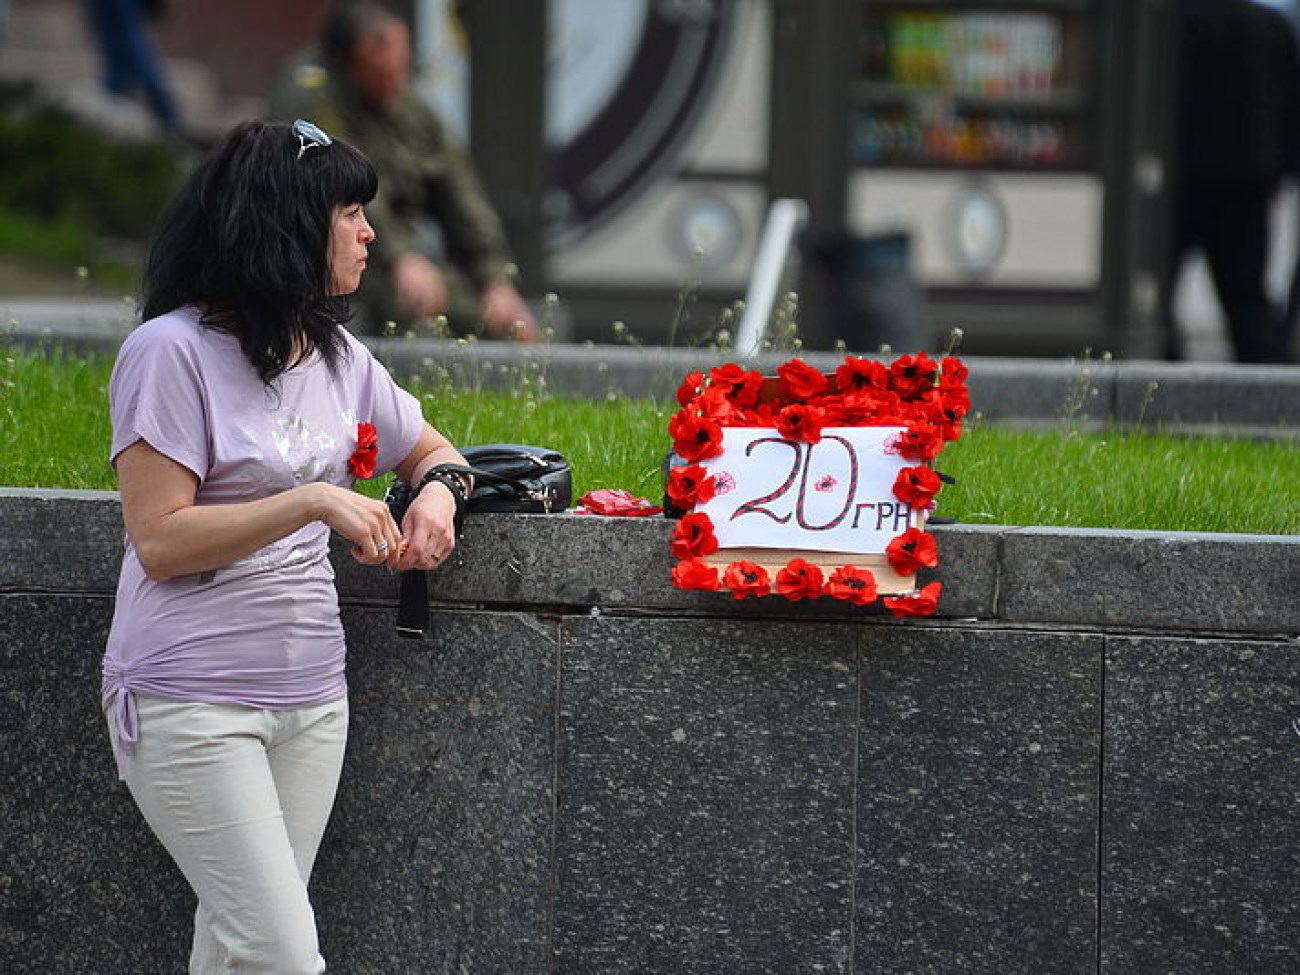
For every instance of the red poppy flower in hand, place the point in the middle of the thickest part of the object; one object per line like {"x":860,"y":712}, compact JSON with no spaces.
{"x":694,"y":574}
{"x":690,"y":485}
{"x":923,"y":603}
{"x":800,"y":579}
{"x":694,"y":537}
{"x":746,"y":578}
{"x":362,"y":462}
{"x":801,"y":422}
{"x":800,"y":380}
{"x":912,"y":550}
{"x":694,"y":437}
{"x":917,"y":486}
{"x":850,"y":583}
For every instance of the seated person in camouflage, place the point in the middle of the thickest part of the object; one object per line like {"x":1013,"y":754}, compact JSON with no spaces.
{"x":357,"y":85}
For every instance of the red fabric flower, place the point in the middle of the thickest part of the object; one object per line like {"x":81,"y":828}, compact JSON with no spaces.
{"x":952,"y":372}
{"x":912,"y":550}
{"x":917,"y":486}
{"x":690,"y":485}
{"x":801,"y":381}
{"x":913,"y":375}
{"x":858,"y":375}
{"x":746,"y":578}
{"x":800,"y":422}
{"x":694,"y":437}
{"x":921,"y":441}
{"x":850,"y":583}
{"x":694,"y":537}
{"x":362,"y":462}
{"x":690,"y":388}
{"x":922,"y":603}
{"x":694,"y":574}
{"x":740,"y":384}
{"x":800,"y":579}
{"x":617,"y":502}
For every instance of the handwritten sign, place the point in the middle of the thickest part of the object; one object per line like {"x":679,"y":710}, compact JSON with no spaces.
{"x":836,"y":495}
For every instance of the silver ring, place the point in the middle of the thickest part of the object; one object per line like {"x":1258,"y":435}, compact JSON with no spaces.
{"x":381,"y":546}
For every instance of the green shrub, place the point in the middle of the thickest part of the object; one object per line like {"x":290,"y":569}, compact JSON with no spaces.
{"x":56,"y":169}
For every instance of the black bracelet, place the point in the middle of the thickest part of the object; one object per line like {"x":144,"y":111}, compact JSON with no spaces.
{"x":454,"y":482}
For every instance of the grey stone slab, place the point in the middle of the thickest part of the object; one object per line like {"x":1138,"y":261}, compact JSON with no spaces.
{"x":978,"y":802}
{"x":968,"y":568}
{"x":59,"y":540}
{"x":84,"y":886}
{"x":1179,"y":580}
{"x":1199,"y":849}
{"x":437,"y":859}
{"x":706,"y":820}
{"x":1254,"y":399}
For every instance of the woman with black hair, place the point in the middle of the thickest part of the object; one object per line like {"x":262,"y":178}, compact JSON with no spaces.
{"x":242,"y":412}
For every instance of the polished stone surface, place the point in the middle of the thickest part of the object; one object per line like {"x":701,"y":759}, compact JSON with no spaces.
{"x":438,"y":857}
{"x":1199,"y":834}
{"x":706,"y":798}
{"x":978,"y":801}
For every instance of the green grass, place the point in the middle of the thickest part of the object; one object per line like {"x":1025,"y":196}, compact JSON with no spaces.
{"x":54,"y":432}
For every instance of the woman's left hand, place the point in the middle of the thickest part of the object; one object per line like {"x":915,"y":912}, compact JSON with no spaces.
{"x":428,"y":530}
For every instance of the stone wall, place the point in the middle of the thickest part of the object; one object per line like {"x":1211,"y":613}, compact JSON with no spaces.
{"x":1086,"y":762}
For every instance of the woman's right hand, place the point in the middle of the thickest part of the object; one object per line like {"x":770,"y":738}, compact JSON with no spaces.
{"x":365,"y":522}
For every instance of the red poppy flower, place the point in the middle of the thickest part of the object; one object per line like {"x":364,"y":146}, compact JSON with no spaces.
{"x":952,"y":372}
{"x":800,"y":579}
{"x":362,"y":462}
{"x":695,"y":438}
{"x":801,"y":381}
{"x":922,"y":603}
{"x":913,"y":375}
{"x":694,"y":536}
{"x":694,"y":574}
{"x":690,"y":388}
{"x":917,"y":486}
{"x":740,"y":384}
{"x":746,"y":578}
{"x":690,"y":485}
{"x":857,"y":586}
{"x":858,"y":375}
{"x":912,"y":550}
{"x":921,"y":441}
{"x":714,"y":404}
{"x":800,"y":421}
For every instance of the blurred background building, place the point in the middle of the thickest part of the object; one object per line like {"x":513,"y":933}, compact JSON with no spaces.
{"x":1003,"y":166}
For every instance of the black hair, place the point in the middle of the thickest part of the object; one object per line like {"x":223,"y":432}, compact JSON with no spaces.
{"x":246,"y":239}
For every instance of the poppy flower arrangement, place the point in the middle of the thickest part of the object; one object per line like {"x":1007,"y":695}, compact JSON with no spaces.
{"x":926,"y":400}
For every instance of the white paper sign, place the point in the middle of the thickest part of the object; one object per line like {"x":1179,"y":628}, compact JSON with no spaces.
{"x":836,"y":495}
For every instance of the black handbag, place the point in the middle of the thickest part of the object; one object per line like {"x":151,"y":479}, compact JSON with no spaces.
{"x":507,"y":478}
{"x":515,"y":477}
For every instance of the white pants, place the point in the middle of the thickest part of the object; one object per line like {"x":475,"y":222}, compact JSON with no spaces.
{"x":240,"y":798}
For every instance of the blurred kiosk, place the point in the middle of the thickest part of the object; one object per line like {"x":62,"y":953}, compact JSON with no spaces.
{"x":1020,"y":147}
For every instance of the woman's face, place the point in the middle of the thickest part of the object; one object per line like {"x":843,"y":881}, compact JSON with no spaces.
{"x":350,"y":235}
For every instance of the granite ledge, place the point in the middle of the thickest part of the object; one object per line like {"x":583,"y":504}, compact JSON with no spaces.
{"x":70,"y":541}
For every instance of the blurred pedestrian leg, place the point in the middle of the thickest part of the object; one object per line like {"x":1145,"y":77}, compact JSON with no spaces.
{"x":131,"y":61}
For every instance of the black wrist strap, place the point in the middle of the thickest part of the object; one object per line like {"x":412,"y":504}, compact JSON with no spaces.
{"x":413,"y":594}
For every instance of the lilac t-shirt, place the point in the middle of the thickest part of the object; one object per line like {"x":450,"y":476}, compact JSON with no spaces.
{"x":263,"y":631}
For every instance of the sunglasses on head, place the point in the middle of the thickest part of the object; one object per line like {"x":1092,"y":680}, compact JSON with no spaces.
{"x":309,"y":136}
